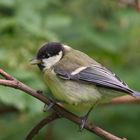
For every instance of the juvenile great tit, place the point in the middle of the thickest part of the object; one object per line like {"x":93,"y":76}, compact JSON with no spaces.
{"x":77,"y":81}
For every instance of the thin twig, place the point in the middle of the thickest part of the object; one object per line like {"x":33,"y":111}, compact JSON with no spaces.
{"x":126,"y":99}
{"x":41,"y":124}
{"x":14,"y":83}
{"x":7,"y":109}
{"x":6,"y":75}
{"x":133,"y":3}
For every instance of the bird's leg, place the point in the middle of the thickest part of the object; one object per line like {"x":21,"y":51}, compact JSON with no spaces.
{"x":48,"y":107}
{"x":84,"y":119}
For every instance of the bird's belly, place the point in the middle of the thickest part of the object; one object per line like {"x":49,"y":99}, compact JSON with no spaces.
{"x":75,"y":96}
{"x":74,"y":93}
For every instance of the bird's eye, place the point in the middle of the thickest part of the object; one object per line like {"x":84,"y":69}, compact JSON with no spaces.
{"x":45,"y":55}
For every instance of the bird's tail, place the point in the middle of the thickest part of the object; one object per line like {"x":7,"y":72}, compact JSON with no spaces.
{"x":136,"y":94}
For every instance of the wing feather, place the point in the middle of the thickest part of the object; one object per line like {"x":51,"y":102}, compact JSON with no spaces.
{"x":98,"y":75}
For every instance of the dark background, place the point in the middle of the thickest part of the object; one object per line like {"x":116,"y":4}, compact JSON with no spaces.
{"x":106,"y":30}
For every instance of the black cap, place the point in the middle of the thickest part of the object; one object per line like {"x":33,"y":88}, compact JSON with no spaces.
{"x":49,"y":49}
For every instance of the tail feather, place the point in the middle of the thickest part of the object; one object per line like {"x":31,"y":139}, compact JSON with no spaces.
{"x":136,"y":94}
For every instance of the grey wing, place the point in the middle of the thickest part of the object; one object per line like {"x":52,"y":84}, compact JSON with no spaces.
{"x":98,"y":75}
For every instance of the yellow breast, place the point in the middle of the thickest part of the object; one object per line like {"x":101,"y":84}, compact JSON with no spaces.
{"x":76,"y":97}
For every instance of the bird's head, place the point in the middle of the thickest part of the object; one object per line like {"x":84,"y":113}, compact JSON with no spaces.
{"x":49,"y":54}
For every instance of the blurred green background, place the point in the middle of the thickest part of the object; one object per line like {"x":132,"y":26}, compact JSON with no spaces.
{"x":104,"y":29}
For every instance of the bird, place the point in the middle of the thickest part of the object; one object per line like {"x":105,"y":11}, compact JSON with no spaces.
{"x":77,"y":81}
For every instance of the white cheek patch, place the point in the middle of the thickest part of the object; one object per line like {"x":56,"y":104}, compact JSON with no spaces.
{"x":51,"y":61}
{"x":78,"y":70}
{"x":66,"y":47}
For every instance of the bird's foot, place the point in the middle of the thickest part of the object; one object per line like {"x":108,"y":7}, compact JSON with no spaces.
{"x":83,"y":122}
{"x":84,"y":119}
{"x":48,"y":107}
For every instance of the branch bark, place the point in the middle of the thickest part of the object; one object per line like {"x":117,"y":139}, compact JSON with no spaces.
{"x":10,"y":81}
{"x":126,"y":99}
{"x":133,"y":3}
{"x":41,"y":124}
{"x":7,"y":109}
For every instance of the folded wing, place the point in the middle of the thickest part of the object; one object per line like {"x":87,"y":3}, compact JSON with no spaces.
{"x":97,"y":75}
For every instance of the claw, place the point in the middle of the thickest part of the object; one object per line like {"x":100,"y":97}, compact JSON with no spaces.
{"x":83,"y":122}
{"x":84,"y":119}
{"x":48,"y":107}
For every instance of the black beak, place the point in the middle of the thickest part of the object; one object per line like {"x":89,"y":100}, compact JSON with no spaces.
{"x":35,"y":61}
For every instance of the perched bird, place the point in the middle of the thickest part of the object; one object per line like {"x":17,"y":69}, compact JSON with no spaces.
{"x":77,"y":81}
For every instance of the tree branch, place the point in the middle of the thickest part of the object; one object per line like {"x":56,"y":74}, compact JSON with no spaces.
{"x":7,"y":109}
{"x":14,"y":83}
{"x":126,"y":99}
{"x":41,"y":124}
{"x":131,"y":3}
